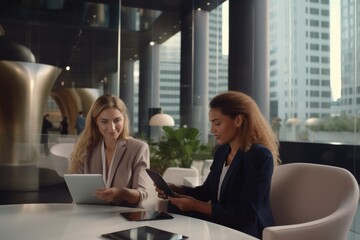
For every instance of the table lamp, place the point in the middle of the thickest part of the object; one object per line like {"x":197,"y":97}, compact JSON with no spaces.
{"x":160,"y":120}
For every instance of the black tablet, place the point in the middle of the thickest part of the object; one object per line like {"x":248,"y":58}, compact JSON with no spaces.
{"x":143,"y":233}
{"x":146,"y":215}
{"x":160,"y":182}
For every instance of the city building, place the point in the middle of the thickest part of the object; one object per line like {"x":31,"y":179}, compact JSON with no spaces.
{"x":167,"y":55}
{"x":300,"y":59}
{"x":350,"y":64}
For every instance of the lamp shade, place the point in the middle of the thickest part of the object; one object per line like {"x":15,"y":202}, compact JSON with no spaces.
{"x":293,"y":122}
{"x":312,"y":121}
{"x":161,"y":119}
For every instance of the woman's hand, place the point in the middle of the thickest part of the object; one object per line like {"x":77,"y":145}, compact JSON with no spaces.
{"x":160,"y":192}
{"x":184,"y":203}
{"x":175,"y":188}
{"x":110,"y":194}
{"x":118,"y":195}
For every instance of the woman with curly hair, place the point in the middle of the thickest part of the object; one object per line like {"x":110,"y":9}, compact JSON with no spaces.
{"x":236,"y":191}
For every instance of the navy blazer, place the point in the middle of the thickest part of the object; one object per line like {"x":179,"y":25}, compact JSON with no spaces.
{"x":244,"y":202}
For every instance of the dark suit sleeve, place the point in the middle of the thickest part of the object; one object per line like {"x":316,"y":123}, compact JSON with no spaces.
{"x":202,"y":192}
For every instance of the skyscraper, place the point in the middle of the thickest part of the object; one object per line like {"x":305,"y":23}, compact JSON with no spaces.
{"x":299,"y":59}
{"x":350,"y":47}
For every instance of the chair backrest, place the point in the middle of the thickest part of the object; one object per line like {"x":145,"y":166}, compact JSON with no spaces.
{"x":312,"y":202}
{"x":62,"y":149}
{"x":60,"y":156}
{"x":206,"y":167}
{"x":176,"y":175}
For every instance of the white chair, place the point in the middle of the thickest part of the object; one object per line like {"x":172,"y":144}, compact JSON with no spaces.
{"x":60,"y":156}
{"x":312,"y":202}
{"x":206,"y":168}
{"x":176,"y":175}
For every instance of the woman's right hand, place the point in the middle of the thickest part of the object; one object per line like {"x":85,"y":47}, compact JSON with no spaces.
{"x":161,"y":193}
{"x":176,"y":189}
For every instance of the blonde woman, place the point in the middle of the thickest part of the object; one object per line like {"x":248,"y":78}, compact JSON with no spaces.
{"x":106,"y":147}
{"x":236,"y":191}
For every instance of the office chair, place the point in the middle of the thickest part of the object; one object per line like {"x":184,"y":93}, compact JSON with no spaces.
{"x":312,"y":202}
{"x":60,"y":156}
{"x":176,"y":175}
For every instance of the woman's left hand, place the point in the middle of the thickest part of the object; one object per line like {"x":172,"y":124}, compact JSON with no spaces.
{"x":184,"y":202}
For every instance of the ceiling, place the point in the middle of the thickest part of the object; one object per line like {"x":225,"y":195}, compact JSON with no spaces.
{"x":84,"y":34}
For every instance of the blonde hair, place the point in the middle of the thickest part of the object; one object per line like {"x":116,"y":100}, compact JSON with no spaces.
{"x":255,"y":128}
{"x":91,"y":135}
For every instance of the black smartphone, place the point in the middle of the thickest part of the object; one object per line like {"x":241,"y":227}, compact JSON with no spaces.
{"x":160,"y":182}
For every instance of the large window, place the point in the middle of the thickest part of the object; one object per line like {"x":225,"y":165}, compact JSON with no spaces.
{"x":328,"y":112}
{"x":316,"y":46}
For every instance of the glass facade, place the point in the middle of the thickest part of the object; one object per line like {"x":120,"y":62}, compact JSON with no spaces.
{"x":173,"y":56}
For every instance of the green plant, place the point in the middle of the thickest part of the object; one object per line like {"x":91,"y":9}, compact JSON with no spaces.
{"x":178,"y":147}
{"x":206,"y":151}
{"x":157,"y":161}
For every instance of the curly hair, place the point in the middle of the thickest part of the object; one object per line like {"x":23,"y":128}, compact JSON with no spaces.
{"x":255,"y":128}
{"x":91,"y":134}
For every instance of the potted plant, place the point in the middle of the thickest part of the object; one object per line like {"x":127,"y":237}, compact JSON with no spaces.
{"x":177,"y":148}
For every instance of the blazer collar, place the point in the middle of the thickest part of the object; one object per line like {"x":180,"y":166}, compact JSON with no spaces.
{"x":120,"y":149}
{"x":233,"y":166}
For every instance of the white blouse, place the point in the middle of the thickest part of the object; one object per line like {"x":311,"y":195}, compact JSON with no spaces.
{"x":222,"y":176}
{"x":103,"y":159}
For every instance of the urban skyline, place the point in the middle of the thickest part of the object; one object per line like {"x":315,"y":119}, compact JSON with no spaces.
{"x":169,"y":104}
{"x":299,"y":42}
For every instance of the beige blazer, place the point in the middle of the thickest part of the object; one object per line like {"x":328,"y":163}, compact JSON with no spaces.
{"x":128,"y":170}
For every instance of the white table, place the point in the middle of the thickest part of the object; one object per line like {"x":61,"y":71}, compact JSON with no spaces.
{"x":71,"y":221}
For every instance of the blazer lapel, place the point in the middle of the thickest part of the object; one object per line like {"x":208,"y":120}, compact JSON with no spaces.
{"x":120,"y":149}
{"x":95,"y":166}
{"x":233,"y":166}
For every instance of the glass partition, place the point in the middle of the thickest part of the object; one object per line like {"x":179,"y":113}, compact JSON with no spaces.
{"x":149,"y":54}
{"x":172,"y":56}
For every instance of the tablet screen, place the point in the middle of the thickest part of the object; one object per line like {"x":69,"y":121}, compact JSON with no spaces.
{"x":144,"y":232}
{"x":146,"y":215}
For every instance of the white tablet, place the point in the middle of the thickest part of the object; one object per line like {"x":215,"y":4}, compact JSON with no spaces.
{"x":83,"y":186}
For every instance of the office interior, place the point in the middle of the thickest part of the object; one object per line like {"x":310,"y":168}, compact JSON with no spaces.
{"x":57,"y":56}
